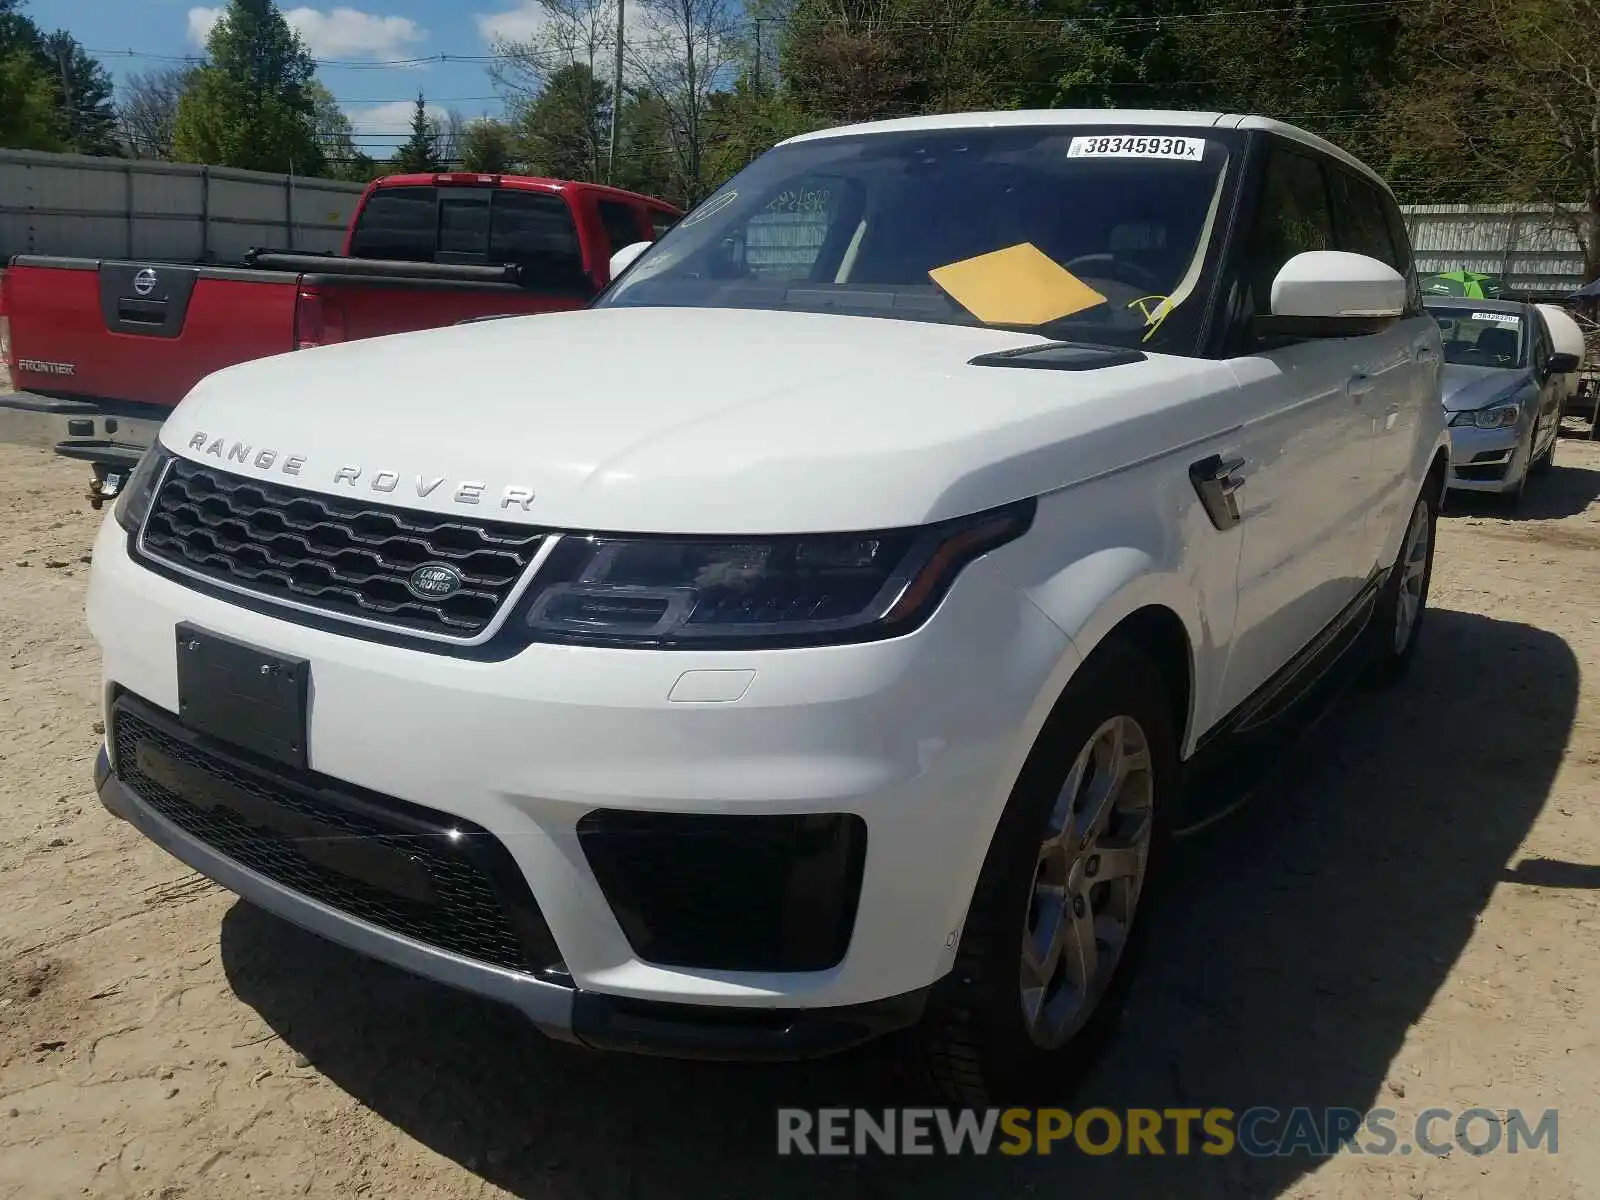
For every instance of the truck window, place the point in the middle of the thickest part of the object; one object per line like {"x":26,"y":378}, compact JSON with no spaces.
{"x":1291,"y":217}
{"x":660,"y":222}
{"x":530,"y":228}
{"x":463,"y":225}
{"x":397,"y":223}
{"x":622,"y":227}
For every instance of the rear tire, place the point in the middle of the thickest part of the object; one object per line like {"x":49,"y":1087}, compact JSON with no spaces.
{"x":1060,"y":909}
{"x":1403,"y":600}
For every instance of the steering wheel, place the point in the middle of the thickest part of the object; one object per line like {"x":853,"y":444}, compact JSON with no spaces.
{"x":1109,"y":266}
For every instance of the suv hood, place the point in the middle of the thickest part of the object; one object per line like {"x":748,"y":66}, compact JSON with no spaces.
{"x":1465,"y":389}
{"x":691,"y":420}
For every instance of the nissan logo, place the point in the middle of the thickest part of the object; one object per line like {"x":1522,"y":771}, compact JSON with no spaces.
{"x":434,"y":581}
{"x":144,"y":282}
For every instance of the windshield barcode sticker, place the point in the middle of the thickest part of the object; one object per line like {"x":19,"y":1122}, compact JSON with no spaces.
{"x":1498,"y":318}
{"x":1120,"y":145}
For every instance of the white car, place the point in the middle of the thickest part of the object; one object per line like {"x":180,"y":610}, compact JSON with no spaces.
{"x":812,"y":638}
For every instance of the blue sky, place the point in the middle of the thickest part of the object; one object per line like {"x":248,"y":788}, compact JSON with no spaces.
{"x":357,"y":41}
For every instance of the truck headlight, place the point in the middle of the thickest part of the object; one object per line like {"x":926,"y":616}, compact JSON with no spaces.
{"x":133,"y":502}
{"x":726,"y":592}
{"x":1496,"y":416}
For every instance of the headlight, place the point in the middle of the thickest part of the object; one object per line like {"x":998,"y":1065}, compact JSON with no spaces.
{"x":1498,"y":416}
{"x":133,"y":503}
{"x":725,"y":592}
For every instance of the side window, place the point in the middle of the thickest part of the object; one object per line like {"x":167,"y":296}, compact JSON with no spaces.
{"x":1541,"y":341}
{"x":660,"y":222}
{"x":1402,"y":245}
{"x":1358,"y":212}
{"x":622,"y":228}
{"x":1291,"y":218}
{"x":397,"y":223}
{"x":784,"y":239}
{"x":535,"y":230}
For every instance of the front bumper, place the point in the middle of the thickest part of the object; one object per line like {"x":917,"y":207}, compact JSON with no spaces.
{"x":919,"y":737}
{"x":1487,"y":460}
{"x":558,"y":1009}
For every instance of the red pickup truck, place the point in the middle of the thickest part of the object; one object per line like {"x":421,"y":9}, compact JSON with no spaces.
{"x":101,"y":351}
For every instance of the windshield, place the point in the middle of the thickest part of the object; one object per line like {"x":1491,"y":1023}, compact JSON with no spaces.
{"x":1075,"y":233}
{"x":1477,"y":338}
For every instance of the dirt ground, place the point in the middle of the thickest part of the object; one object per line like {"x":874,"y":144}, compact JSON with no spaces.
{"x":1407,"y":918}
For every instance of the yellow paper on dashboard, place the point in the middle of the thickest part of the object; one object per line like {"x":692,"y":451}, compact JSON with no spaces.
{"x":1020,"y":285}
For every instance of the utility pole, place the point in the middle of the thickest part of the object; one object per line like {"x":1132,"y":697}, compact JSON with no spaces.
{"x":616,"y":100}
{"x":758,"y":55}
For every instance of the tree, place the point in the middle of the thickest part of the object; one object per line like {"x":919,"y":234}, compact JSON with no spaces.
{"x":488,"y":146}
{"x":1505,"y":106}
{"x":343,"y":158}
{"x":685,"y":51}
{"x":27,"y":104}
{"x":85,"y":115}
{"x":555,"y":85}
{"x":566,"y":132}
{"x":148,"y":110}
{"x":419,"y":154}
{"x":251,"y":104}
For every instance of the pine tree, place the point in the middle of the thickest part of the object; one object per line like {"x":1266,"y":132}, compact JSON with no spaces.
{"x":419,"y":154}
{"x":85,"y":114}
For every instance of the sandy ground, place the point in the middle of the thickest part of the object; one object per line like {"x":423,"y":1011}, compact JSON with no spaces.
{"x":1406,"y":919}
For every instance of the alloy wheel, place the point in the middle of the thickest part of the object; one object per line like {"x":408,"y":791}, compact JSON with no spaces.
{"x":1087,"y":879}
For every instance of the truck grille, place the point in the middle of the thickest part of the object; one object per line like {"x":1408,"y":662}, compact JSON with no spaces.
{"x":342,"y":556}
{"x":389,"y":863}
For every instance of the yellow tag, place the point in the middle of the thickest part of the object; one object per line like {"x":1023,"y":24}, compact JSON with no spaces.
{"x":1019,"y":285}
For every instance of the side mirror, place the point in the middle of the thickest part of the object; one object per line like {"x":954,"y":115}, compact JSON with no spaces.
{"x":621,"y":260}
{"x":1562,"y":364}
{"x":1333,"y":293}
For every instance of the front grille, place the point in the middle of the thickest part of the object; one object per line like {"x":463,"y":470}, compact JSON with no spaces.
{"x":734,"y":893}
{"x":337,"y":555}
{"x":431,"y":877}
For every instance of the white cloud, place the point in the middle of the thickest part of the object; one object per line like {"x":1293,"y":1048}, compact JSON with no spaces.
{"x":395,"y":117}
{"x":336,"y":33}
{"x":201,"y":21}
{"x":520,"y":24}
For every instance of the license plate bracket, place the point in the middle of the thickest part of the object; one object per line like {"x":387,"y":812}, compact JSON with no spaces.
{"x":243,"y":695}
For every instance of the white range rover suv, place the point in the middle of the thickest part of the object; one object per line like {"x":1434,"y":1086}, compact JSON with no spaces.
{"x":815,"y":637}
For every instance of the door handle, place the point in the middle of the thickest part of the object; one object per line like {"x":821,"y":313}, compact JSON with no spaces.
{"x":1359,"y":385}
{"x":1217,"y":481}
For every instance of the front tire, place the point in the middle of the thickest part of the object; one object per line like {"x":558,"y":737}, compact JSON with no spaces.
{"x":1403,"y":600}
{"x":1547,"y":460}
{"x":1051,"y":940}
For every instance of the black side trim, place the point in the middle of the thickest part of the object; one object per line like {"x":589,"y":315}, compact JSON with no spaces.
{"x":1059,"y":356}
{"x":736,"y":1034}
{"x":1275,"y":698}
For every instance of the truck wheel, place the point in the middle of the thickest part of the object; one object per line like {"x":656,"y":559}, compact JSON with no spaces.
{"x":1050,"y":940}
{"x":1403,"y":600}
